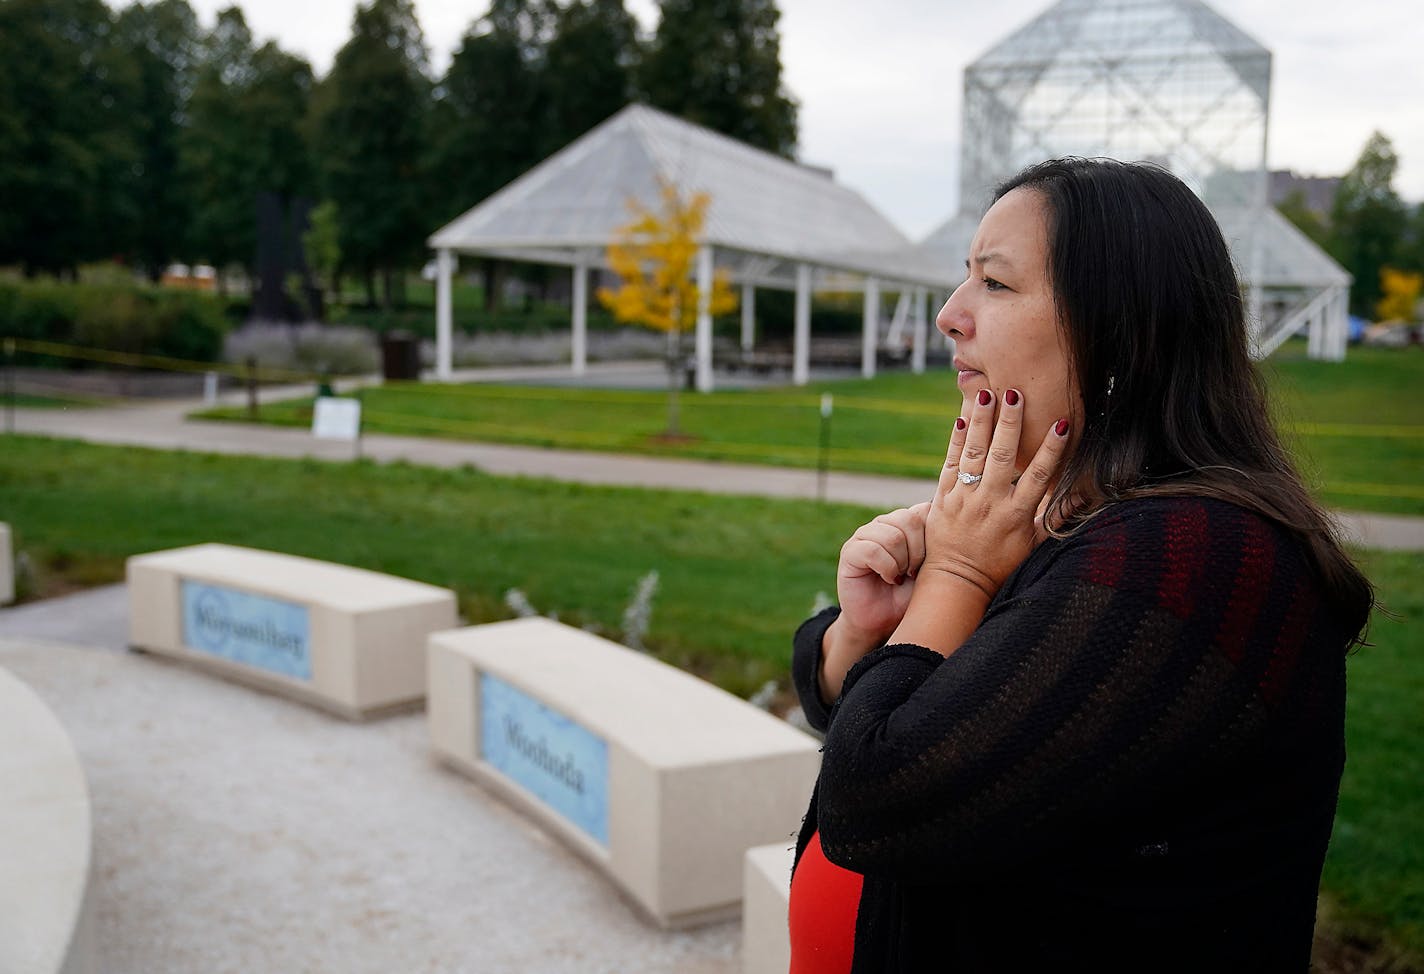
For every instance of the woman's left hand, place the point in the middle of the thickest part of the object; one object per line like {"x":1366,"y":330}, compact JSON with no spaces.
{"x":980,"y":531}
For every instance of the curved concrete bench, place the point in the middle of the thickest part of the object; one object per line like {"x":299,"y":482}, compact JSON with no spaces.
{"x":345,"y":639}
{"x":658,"y":778}
{"x":46,"y":921}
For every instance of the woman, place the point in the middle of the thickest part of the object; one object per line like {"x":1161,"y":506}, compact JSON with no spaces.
{"x":1085,"y":708}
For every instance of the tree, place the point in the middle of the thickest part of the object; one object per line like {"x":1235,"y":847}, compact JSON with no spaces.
{"x":1410,"y":253}
{"x":1309,"y":222}
{"x":371,"y":129}
{"x":322,"y":243}
{"x":162,"y":42}
{"x":1367,"y":221}
{"x":588,"y":67}
{"x":1400,"y":290}
{"x":489,"y":114}
{"x":245,"y":135}
{"x":65,"y":138}
{"x":489,"y":107}
{"x":718,"y":63}
{"x":653,"y":256}
{"x":216,"y":170}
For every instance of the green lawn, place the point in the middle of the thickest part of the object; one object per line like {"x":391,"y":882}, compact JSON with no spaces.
{"x":1375,"y":869}
{"x":27,"y":401}
{"x":737,"y":576}
{"x":1356,"y":427}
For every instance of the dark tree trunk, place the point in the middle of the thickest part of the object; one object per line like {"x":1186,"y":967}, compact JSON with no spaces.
{"x":490,"y":269}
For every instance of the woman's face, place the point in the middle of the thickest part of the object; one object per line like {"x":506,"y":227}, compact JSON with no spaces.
{"x":1004,"y":322}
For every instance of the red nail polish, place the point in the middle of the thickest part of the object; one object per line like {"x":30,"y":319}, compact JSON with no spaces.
{"x":985,"y":397}
{"x":1011,"y":398}
{"x":1061,"y":427}
{"x":959,"y":424}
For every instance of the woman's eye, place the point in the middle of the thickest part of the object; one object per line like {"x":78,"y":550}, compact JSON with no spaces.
{"x":992,"y":285}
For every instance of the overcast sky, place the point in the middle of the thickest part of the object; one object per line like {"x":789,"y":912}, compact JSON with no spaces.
{"x":879,"y":83}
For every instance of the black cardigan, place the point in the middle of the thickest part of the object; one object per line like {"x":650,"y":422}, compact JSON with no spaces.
{"x":1131,"y":765}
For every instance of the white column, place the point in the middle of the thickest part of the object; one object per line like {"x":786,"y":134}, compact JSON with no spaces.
{"x":704,"y":319}
{"x":580,"y":316}
{"x":1338,"y":313}
{"x":748,"y":316}
{"x":895,"y":336}
{"x":870,"y":327}
{"x":444,"y":319}
{"x":917,"y":351}
{"x":1315,"y":331}
{"x":801,"y":352}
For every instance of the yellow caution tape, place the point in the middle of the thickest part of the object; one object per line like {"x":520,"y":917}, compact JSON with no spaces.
{"x":163,"y":362}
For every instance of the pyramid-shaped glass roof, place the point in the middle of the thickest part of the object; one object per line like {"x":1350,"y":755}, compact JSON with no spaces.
{"x":1169,"y":81}
{"x":1166,"y":80}
{"x":766,"y":212}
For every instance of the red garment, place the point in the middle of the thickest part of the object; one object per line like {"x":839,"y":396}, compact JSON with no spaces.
{"x":821,"y":914}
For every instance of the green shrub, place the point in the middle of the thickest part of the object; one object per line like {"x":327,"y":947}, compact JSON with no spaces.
{"x":115,"y":319}
{"x":130,"y":318}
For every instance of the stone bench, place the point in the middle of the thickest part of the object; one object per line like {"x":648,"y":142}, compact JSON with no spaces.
{"x":766,"y":891}
{"x":345,"y":639}
{"x":46,"y":917}
{"x":658,"y":778}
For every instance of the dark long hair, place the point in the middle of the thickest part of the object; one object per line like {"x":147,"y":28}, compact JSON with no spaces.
{"x":1156,"y":330}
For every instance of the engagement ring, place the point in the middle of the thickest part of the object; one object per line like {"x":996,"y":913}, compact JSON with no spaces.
{"x":970,"y":478}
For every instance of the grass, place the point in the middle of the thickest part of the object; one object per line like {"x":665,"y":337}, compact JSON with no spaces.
{"x":901,"y":415}
{"x":66,"y":401}
{"x":1375,"y":870}
{"x":737,"y":576}
{"x":1355,"y":427}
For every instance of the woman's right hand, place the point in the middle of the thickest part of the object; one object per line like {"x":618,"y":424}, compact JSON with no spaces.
{"x":876,"y":574}
{"x":874,"y":581}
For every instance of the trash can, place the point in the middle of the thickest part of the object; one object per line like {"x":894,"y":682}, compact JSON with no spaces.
{"x":400,"y":355}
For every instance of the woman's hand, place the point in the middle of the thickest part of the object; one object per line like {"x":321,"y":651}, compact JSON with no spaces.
{"x":977,"y":533}
{"x":876,"y":574}
{"x":874,"y":582}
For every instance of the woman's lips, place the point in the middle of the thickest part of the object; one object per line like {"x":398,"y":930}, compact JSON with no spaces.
{"x":969,"y":377}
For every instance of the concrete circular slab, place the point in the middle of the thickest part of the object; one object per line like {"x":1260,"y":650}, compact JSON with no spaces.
{"x":235,"y":831}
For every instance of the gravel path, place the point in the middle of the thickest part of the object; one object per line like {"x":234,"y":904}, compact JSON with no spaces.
{"x":235,"y":831}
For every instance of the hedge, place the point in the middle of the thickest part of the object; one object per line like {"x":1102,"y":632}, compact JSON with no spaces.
{"x":131,"y":318}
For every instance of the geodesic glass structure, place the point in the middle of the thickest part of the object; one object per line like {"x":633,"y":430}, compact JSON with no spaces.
{"x":1167,"y":81}
{"x":1164,"y":80}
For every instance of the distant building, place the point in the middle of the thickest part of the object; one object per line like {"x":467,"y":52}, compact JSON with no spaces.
{"x":1319,"y":191}
{"x":1168,"y":81}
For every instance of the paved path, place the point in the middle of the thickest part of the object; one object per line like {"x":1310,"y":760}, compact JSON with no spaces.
{"x":164,"y":425}
{"x":239,"y":832}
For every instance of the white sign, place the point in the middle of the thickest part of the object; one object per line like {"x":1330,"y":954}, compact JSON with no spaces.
{"x":336,"y":418}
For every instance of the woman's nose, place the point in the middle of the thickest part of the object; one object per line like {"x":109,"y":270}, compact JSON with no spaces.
{"x":954,"y":319}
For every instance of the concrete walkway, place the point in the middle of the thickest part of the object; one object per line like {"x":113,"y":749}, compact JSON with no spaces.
{"x":237,"y":832}
{"x":164,"y":425}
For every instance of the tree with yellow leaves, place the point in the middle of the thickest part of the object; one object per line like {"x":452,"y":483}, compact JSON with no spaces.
{"x":1400,"y":294}
{"x":653,"y":256}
